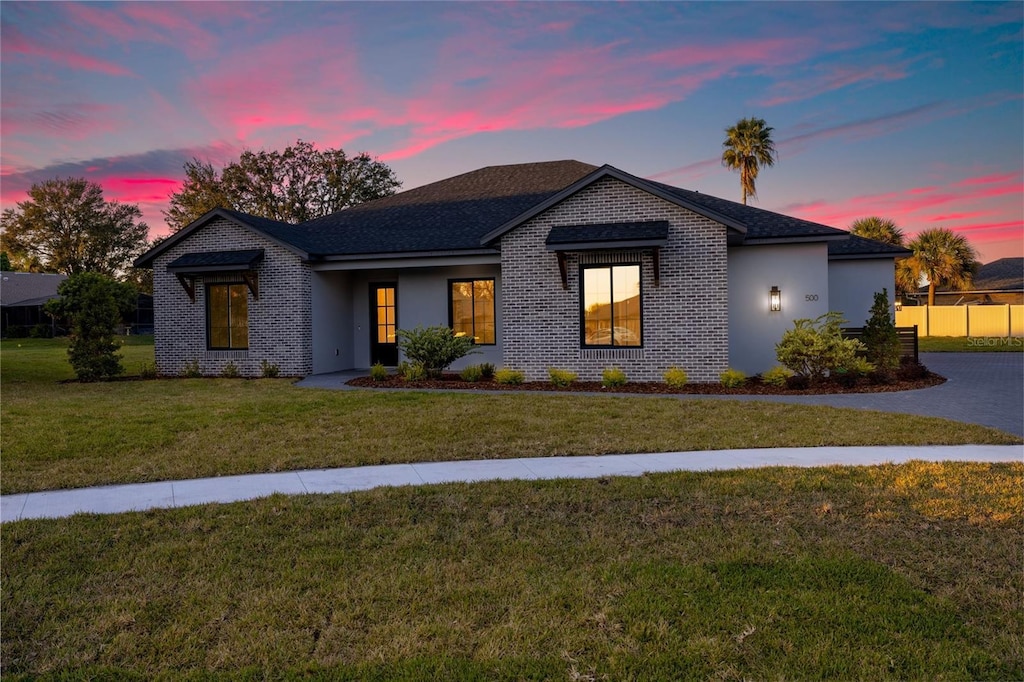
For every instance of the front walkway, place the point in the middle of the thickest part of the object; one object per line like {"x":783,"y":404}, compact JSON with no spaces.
{"x":141,"y":496}
{"x":981,"y":388}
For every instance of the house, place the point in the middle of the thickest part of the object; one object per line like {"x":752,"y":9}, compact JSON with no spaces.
{"x":22,"y":297}
{"x":998,"y":282}
{"x":555,"y":264}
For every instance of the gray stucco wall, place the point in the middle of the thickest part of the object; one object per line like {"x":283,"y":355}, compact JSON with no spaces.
{"x":341,"y":310}
{"x":685,"y":319}
{"x":852,"y":285}
{"x":279,"y":322}
{"x":801,"y":273}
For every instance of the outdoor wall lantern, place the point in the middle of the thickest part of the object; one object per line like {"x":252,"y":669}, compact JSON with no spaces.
{"x":776,"y":299}
{"x":899,"y":304}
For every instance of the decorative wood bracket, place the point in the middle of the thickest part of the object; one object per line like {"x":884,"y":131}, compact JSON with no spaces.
{"x":188,"y":283}
{"x":253,"y":282}
{"x":562,"y":270}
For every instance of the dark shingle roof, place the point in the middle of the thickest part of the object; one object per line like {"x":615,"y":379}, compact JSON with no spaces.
{"x":217,"y":259}
{"x":28,"y":288}
{"x":854,"y":247}
{"x":447,"y":215}
{"x":760,"y":224}
{"x":1002,"y":274}
{"x":608,"y":232}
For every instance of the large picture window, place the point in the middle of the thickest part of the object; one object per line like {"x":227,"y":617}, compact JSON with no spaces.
{"x":227,"y":316}
{"x":472,"y":309}
{"x":611,"y":305}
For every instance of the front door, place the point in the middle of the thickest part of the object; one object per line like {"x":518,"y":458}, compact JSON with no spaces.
{"x":383,"y":324}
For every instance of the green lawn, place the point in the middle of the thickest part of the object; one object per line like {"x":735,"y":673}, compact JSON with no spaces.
{"x":60,"y":435}
{"x":970,"y":344}
{"x":896,"y":572}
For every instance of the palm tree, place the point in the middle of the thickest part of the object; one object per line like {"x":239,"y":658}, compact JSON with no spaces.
{"x":942,"y":257}
{"x":879,"y":229}
{"x":748,"y":146}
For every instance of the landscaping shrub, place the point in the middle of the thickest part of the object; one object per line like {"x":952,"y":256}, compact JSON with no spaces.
{"x":880,"y":339}
{"x":816,"y":348}
{"x":487,"y":370}
{"x":732,"y":378}
{"x":434,"y":348}
{"x":268,"y":370}
{"x":613,"y":377}
{"x":414,"y":372}
{"x":508,"y":376}
{"x":675,"y":377}
{"x":561,"y":377}
{"x":472,"y":373}
{"x":94,"y":304}
{"x":776,"y":376}
{"x":190,"y":370}
{"x":378,"y":372}
{"x":230,"y":370}
{"x":147,"y":370}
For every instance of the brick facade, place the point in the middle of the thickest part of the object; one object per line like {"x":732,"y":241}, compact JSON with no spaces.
{"x":279,"y":322}
{"x":685,"y":319}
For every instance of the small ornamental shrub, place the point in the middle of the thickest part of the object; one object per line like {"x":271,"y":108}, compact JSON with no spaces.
{"x":434,"y":348}
{"x":508,"y":376}
{"x":776,"y":376}
{"x":230,"y":371}
{"x":816,"y":348}
{"x":147,"y":370}
{"x":472,"y":373}
{"x":414,"y":372}
{"x":675,"y":377}
{"x":378,"y":372}
{"x":487,"y":371}
{"x":402,"y":369}
{"x":191,"y":370}
{"x":95,"y":305}
{"x":880,"y":337}
{"x":732,"y":378}
{"x":613,"y":377}
{"x":268,"y":370}
{"x":561,"y":377}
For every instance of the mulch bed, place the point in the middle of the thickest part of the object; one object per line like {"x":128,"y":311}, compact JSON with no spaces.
{"x":752,"y":387}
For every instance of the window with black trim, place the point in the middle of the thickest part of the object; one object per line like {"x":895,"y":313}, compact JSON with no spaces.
{"x":227,"y":317}
{"x":471,"y":309}
{"x":610,"y":299}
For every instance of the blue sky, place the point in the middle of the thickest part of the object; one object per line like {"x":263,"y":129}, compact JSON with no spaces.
{"x":912,"y":111}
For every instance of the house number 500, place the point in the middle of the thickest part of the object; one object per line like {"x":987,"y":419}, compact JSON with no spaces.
{"x":810,"y":297}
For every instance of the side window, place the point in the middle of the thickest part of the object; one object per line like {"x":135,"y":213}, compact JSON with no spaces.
{"x":611,"y":305}
{"x":227,"y":317}
{"x":471,"y":309}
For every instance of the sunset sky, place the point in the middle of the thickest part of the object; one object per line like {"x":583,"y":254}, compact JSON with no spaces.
{"x":911,"y":111}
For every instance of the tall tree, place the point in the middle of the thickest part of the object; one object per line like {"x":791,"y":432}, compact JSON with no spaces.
{"x":66,"y":226}
{"x":941,"y":256}
{"x":879,"y":229}
{"x":748,"y":146}
{"x":294,"y":185}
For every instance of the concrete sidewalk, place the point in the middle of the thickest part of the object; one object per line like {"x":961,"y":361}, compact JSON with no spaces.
{"x":166,"y":494}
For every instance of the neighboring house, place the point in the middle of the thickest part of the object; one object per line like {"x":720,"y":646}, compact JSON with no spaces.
{"x":22,"y":297}
{"x":998,"y":282}
{"x":557,"y":264}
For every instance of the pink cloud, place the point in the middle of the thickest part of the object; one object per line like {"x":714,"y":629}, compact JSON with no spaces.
{"x":956,"y":204}
{"x":16,"y":45}
{"x":831,"y":78}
